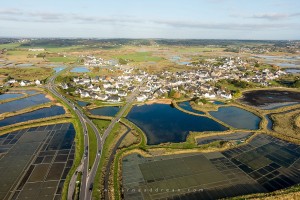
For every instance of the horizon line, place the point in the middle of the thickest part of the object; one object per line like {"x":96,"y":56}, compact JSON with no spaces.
{"x":128,"y":38}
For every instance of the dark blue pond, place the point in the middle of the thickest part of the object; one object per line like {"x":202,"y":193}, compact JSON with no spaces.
{"x":10,"y":96}
{"x":163,"y":123}
{"x":218,"y":103}
{"x":270,"y":122}
{"x":82,"y":103}
{"x":237,"y":117}
{"x":23,"y":103}
{"x":106,"y":111}
{"x":41,"y":113}
{"x":187,"y":106}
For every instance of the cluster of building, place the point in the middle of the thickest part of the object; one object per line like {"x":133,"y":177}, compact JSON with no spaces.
{"x":111,"y":89}
{"x":22,"y":83}
{"x":197,"y":82}
{"x":96,"y":62}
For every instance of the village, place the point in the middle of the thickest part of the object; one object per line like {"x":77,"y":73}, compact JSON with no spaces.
{"x":198,"y":81}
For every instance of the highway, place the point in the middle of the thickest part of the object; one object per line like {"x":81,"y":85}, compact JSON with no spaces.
{"x":88,"y":177}
{"x":130,"y":99}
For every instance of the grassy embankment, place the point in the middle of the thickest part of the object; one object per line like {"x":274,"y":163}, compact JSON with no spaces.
{"x":92,"y":146}
{"x":118,"y":157}
{"x":202,"y":115}
{"x":287,"y":125}
{"x":77,"y":188}
{"x":26,"y":110}
{"x":108,"y":145}
{"x":101,"y":124}
{"x":17,"y":98}
{"x":291,"y":193}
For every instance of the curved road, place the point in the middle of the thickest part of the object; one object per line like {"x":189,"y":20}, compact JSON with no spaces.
{"x":88,"y":177}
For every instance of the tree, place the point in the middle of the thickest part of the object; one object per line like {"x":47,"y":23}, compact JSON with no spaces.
{"x":296,"y":84}
{"x":171,"y":93}
{"x":122,"y":61}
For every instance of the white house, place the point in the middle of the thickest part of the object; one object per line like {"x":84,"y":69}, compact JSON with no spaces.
{"x":107,"y":85}
{"x":210,"y":95}
{"x":12,"y":81}
{"x":84,"y":94}
{"x":75,"y":79}
{"x":37,"y":82}
{"x":94,"y":96}
{"x":102,"y":97}
{"x":226,"y":96}
{"x":91,"y":86}
{"x":24,"y":83}
{"x":111,"y":91}
{"x":36,"y":49}
{"x":96,"y":89}
{"x":141,"y":98}
{"x":65,"y":86}
{"x":122,"y":94}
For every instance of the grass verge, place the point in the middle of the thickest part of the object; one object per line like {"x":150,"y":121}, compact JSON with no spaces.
{"x":108,"y":145}
{"x":92,"y":146}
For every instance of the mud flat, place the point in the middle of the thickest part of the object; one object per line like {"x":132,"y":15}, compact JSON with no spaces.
{"x":270,"y":99}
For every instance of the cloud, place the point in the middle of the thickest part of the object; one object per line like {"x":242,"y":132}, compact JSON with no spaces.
{"x":10,"y":11}
{"x":274,"y":16}
{"x":50,"y":17}
{"x":222,"y":26}
{"x":56,"y":17}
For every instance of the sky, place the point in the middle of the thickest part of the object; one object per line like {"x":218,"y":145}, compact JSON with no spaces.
{"x":170,"y":19}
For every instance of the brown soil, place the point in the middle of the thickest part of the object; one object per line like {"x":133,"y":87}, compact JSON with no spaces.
{"x":159,"y":101}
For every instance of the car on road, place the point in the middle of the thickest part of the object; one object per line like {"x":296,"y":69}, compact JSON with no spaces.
{"x":86,"y":151}
{"x":91,"y":186}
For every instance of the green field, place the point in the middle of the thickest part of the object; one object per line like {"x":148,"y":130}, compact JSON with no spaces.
{"x":18,"y":52}
{"x":9,"y":45}
{"x":27,"y":73}
{"x":61,"y":59}
{"x":101,"y":124}
{"x":198,"y":49}
{"x":140,"y":57}
{"x":63,"y":49}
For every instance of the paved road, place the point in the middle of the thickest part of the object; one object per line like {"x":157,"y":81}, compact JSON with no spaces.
{"x":72,"y":184}
{"x":89,"y":176}
{"x":130,"y":99}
